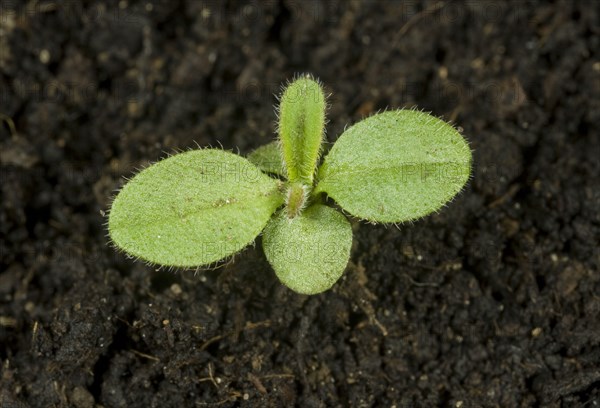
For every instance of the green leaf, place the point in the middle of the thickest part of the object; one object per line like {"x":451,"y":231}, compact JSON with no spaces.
{"x":301,"y":126}
{"x":193,"y":208}
{"x":269,"y":159}
{"x":395,"y":166}
{"x":309,"y":252}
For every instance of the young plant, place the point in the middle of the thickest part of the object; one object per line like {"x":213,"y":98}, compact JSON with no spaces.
{"x":201,"y":206}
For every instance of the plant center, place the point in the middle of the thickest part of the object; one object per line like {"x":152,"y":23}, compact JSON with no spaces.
{"x":296,"y":199}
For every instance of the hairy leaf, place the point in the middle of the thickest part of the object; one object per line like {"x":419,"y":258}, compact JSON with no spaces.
{"x":301,"y":125}
{"x":395,"y":166}
{"x":193,"y":208}
{"x":269,"y":159}
{"x":309,"y":252}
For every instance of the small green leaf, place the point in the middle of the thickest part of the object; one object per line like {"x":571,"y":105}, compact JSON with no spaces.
{"x":309,"y":252}
{"x":301,"y":126}
{"x":395,"y":166}
{"x":269,"y":159}
{"x":193,"y":208}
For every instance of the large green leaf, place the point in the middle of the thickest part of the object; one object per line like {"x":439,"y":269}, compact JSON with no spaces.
{"x":310,"y":251}
{"x":269,"y":158}
{"x":395,"y":166}
{"x":193,"y":208}
{"x":301,"y":127}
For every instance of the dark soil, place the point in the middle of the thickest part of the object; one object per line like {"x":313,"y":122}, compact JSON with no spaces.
{"x":493,"y":302}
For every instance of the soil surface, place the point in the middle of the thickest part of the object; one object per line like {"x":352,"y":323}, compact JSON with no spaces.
{"x":492,"y":302}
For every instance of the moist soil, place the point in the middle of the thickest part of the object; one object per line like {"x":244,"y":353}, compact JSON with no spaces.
{"x":492,"y":302}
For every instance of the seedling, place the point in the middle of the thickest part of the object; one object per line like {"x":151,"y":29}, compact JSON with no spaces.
{"x":196,"y":208}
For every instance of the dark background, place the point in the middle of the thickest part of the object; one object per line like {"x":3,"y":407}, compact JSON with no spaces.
{"x":493,"y":302}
